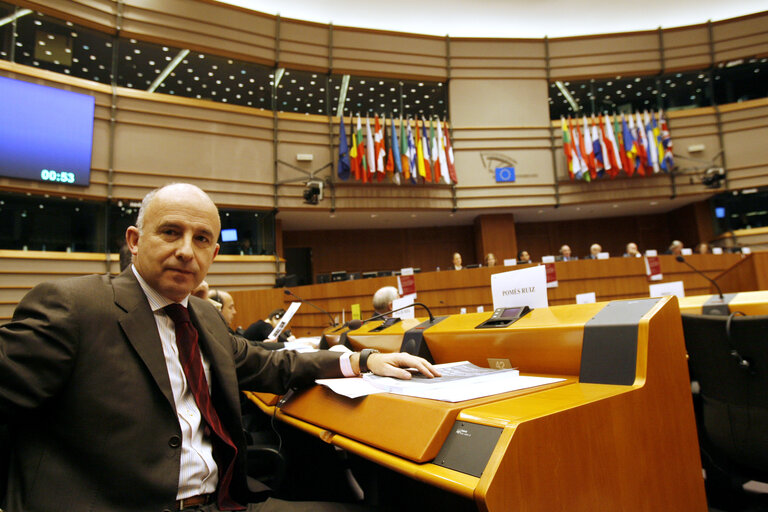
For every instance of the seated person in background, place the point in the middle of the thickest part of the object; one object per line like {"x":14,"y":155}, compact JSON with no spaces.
{"x":565,"y":254}
{"x":228,"y":310}
{"x":523,"y":257}
{"x":703,"y":248}
{"x":382,"y":299}
{"x":594,"y":250}
{"x":675,"y":248}
{"x":457,"y":261}
{"x":259,"y":330}
{"x":490,"y":260}
{"x":202,"y":291}
{"x":632,"y":251}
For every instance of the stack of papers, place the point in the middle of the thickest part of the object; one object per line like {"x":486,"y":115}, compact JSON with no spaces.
{"x":459,"y":381}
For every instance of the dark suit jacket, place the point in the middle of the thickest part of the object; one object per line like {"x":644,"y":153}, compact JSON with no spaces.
{"x":85,"y":388}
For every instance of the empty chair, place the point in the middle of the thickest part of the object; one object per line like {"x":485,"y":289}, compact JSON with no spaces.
{"x":728,"y":356}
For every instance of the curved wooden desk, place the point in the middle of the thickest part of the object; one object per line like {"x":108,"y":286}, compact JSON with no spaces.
{"x":617,"y":434}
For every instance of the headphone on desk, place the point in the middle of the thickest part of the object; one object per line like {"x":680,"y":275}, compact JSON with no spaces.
{"x":744,"y":363}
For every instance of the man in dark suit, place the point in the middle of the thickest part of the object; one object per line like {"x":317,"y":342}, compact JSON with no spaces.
{"x":100,"y":406}
{"x":565,"y":254}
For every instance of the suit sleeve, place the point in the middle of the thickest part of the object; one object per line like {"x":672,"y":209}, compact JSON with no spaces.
{"x":37,"y":349}
{"x":272,"y":371}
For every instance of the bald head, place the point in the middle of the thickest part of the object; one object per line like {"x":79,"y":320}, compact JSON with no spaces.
{"x":178,"y":192}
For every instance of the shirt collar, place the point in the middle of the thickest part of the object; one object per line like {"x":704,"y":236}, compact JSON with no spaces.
{"x":156,"y":301}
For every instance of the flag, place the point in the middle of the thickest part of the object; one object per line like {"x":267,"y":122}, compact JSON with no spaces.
{"x":378,"y":147}
{"x":434,"y":157}
{"x":344,"y":163}
{"x":449,"y":157}
{"x":426,"y":151}
{"x":413,"y":156}
{"x":405,"y":164}
{"x":610,"y":145}
{"x":668,"y":162}
{"x":589,"y":151}
{"x":598,"y":149}
{"x":652,"y":148}
{"x":441,"y":154}
{"x":641,"y":143}
{"x":619,"y":133}
{"x":420,"y":153}
{"x":630,"y":149}
{"x":371,"y":147}
{"x":361,"y":151}
{"x":393,"y":156}
{"x":567,"y":147}
{"x":578,"y":143}
{"x":354,"y":156}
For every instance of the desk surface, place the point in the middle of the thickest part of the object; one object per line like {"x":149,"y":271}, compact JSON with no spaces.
{"x":749,"y":303}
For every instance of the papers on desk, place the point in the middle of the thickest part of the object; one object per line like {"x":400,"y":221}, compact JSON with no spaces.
{"x":459,"y":381}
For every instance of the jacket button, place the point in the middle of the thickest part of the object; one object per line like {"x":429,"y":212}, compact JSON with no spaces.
{"x":174,"y":442}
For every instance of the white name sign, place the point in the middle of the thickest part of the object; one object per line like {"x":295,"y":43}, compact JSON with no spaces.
{"x":524,"y":287}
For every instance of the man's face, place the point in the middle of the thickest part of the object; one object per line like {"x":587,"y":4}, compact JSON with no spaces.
{"x":178,"y":242}
{"x":457,"y":259}
{"x":596,"y":249}
{"x":631,"y":249}
{"x":228,"y":310}
{"x":565,"y":251}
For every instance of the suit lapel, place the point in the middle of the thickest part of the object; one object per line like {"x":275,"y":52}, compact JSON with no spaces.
{"x":138,"y":324}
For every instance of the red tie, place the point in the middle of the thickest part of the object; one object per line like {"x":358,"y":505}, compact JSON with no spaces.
{"x":224,"y":449}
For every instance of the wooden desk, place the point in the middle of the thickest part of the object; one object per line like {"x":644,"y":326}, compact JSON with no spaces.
{"x":447,"y":292}
{"x":749,"y":303}
{"x":617,"y":434}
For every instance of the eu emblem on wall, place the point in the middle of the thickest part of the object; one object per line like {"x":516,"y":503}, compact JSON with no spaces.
{"x":505,"y":174}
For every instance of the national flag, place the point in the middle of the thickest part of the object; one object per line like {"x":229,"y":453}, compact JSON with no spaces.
{"x":630,"y":148}
{"x":435,"y":156}
{"x":420,"y":153}
{"x":652,"y":148}
{"x":441,"y":153}
{"x":619,"y":133}
{"x":610,"y":145}
{"x":405,"y":164}
{"x":589,"y":151}
{"x":344,"y":163}
{"x":449,"y":157}
{"x":582,"y":172}
{"x":378,"y":147}
{"x":642,"y":144}
{"x":598,"y":149}
{"x":567,"y":147}
{"x":413,"y":156}
{"x":393,"y":156}
{"x":426,"y":151}
{"x":354,"y":154}
{"x":668,"y":162}
{"x":656,"y":129}
{"x":371,"y":147}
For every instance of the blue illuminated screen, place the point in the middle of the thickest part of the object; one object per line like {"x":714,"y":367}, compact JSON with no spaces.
{"x":229,"y":235}
{"x":46,"y":134}
{"x":720,"y":212}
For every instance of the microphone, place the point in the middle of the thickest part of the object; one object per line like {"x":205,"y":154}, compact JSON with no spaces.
{"x":289,"y":292}
{"x":356,"y":324}
{"x":705,"y":276}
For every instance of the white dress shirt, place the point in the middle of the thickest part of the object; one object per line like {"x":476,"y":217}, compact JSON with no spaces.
{"x":199,"y":473}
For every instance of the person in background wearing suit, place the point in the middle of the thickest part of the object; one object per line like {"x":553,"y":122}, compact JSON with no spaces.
{"x":675,"y":248}
{"x":594,"y":250}
{"x":456,"y":263}
{"x":703,"y":248}
{"x":122,"y":393}
{"x":490,"y":260}
{"x":382,"y":299}
{"x":523,"y":257}
{"x":565,"y":254}
{"x":632,"y":251}
{"x":228,"y":310}
{"x":261,"y":329}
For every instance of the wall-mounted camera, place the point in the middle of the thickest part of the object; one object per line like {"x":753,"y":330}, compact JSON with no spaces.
{"x":712,"y":177}
{"x":313,"y":191}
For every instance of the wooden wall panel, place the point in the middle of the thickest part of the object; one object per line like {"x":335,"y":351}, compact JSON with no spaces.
{"x":98,"y":14}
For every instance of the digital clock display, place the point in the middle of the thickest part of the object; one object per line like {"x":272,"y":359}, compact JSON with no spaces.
{"x":46,"y":134}
{"x":60,"y":177}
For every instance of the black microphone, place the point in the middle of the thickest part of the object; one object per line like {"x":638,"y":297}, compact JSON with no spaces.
{"x":356,"y":324}
{"x":682,"y":260}
{"x":289,"y":292}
